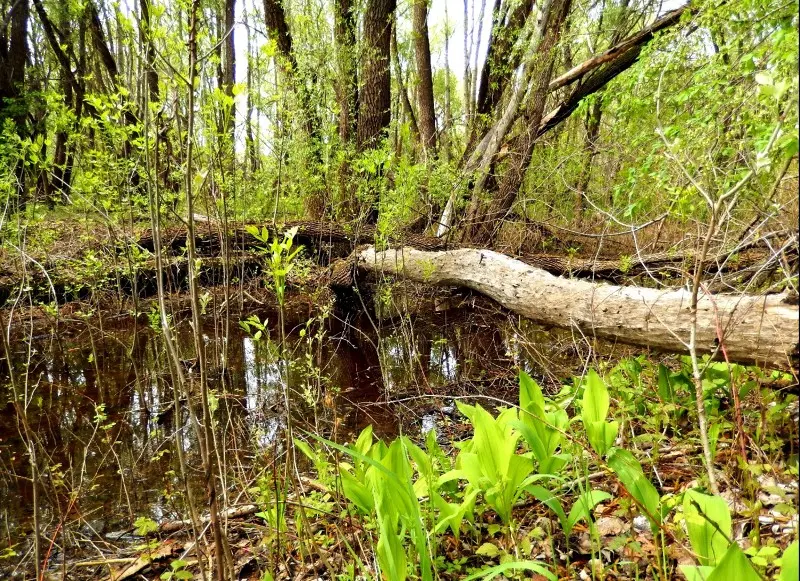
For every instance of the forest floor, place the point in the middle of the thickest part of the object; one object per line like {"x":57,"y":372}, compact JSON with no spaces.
{"x":308,"y":524}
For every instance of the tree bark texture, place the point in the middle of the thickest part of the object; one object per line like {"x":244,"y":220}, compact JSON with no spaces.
{"x":229,"y":68}
{"x":752,"y":328}
{"x":344,"y":35}
{"x":592,"y":126}
{"x":485,"y":219}
{"x":422,"y":50}
{"x":374,"y":103}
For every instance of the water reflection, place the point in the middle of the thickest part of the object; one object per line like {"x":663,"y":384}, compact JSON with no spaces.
{"x":103,"y":414}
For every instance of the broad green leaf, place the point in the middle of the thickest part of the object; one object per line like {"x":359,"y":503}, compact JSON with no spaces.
{"x":594,"y":409}
{"x":547,"y":498}
{"x":790,"y":563}
{"x":582,"y":509}
{"x":665,"y":391}
{"x":734,"y":565}
{"x":488,"y":550}
{"x":493,"y":572}
{"x":356,"y":492}
{"x":708,"y":522}
{"x":629,"y":471}
{"x":695,"y":572}
{"x":595,"y":399}
{"x":391,"y":555}
{"x":530,"y":394}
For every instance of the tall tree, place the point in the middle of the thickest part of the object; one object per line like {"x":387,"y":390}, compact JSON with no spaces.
{"x":278,"y":27}
{"x":422,"y":50}
{"x":374,"y":105}
{"x":344,"y":35}
{"x":13,"y":60}
{"x":484,"y":219}
{"x":229,"y":68}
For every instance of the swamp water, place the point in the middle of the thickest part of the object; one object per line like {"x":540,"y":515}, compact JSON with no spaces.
{"x":100,"y":404}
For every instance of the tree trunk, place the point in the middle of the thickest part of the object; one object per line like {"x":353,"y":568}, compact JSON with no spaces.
{"x":753,"y":329}
{"x":150,"y":51}
{"x":278,"y":28}
{"x":485,"y":219}
{"x":592,"y":126}
{"x":229,"y":69}
{"x":374,"y":113}
{"x":13,"y":59}
{"x":344,"y":35}
{"x":401,"y":85}
{"x":422,"y":50}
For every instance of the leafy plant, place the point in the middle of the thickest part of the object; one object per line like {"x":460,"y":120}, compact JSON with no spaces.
{"x":708,"y":523}
{"x":594,"y":409}
{"x":543,"y":430}
{"x":489,"y":461}
{"x":177,"y":570}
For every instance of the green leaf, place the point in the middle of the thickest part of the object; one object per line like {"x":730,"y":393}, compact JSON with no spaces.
{"x":695,"y":572}
{"x":582,"y":509}
{"x":595,"y":399}
{"x":790,"y":568}
{"x":391,"y":555}
{"x":665,"y":391}
{"x":601,"y":434}
{"x":530,"y":394}
{"x":734,"y":565}
{"x":488,"y":550}
{"x":708,"y":522}
{"x":629,"y":471}
{"x":356,"y":492}
{"x":492,"y":572}
{"x":547,"y":498}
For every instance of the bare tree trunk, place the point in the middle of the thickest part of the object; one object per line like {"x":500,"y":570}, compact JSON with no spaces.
{"x":14,"y":56}
{"x":344,"y":34}
{"x":374,"y":95}
{"x":448,"y":113}
{"x":422,"y":49}
{"x":278,"y":28}
{"x":402,"y":89}
{"x":229,"y":69}
{"x":344,"y":37}
{"x":374,"y":102}
{"x":250,"y":141}
{"x":592,"y":126}
{"x":146,"y":33}
{"x":484,"y":222}
{"x":467,"y":60}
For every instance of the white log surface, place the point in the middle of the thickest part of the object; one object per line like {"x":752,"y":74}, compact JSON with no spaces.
{"x":760,"y":329}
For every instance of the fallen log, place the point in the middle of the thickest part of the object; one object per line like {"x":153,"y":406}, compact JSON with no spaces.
{"x":752,"y":329}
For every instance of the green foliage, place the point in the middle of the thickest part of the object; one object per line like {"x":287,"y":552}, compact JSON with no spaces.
{"x":709,"y":525}
{"x":493,"y":572}
{"x":594,"y":408}
{"x":177,"y":570}
{"x":143,"y":526}
{"x":489,"y":462}
{"x":543,"y":430}
{"x":790,"y":562}
{"x":629,"y":471}
{"x":280,"y":255}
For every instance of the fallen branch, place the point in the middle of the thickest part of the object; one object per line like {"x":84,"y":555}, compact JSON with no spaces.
{"x":756,"y":329}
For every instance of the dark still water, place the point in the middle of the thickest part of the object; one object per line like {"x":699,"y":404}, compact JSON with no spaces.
{"x":98,"y":406}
